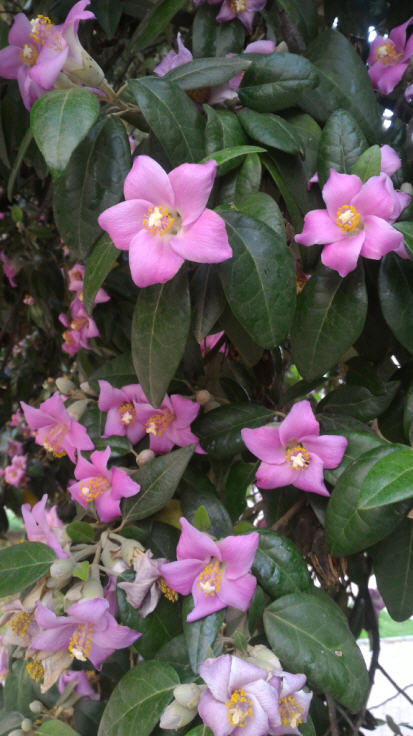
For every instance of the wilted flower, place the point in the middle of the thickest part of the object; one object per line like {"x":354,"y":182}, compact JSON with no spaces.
{"x":356,"y":221}
{"x":389,"y":58}
{"x":55,"y":429}
{"x":217,"y":573}
{"x":106,"y":487}
{"x":144,"y":592}
{"x":172,"y":59}
{"x":83,"y":688}
{"x":164,"y":220}
{"x":43,"y":526}
{"x":295,"y":453}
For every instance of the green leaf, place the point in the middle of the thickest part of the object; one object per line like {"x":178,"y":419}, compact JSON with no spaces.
{"x":158,"y":480}
{"x":303,"y":14}
{"x":229,"y":154}
{"x":359,"y":401}
{"x":56,"y":728}
{"x":208,"y":300}
{"x":343,"y":83}
{"x":59,"y":120}
{"x":278,"y":565}
{"x":407,"y":229}
{"x":23,"y":564}
{"x":200,"y":731}
{"x":108,"y":14}
{"x":249,"y":351}
{"x":249,"y":177}
{"x":390,"y":480}
{"x":172,"y":116}
{"x":155,"y":21}
{"x":9,"y":720}
{"x":219,"y":430}
{"x":240,"y":476}
{"x":330,"y":316}
{"x":200,"y":635}
{"x":91,"y":182}
{"x":357,"y":444}
{"x":350,"y":528}
{"x":270,"y":130}
{"x":21,"y":153}
{"x":396,"y":297}
{"x":80,"y":531}
{"x":196,"y":491}
{"x":207,"y":72}
{"x":175,"y":654}
{"x":309,"y":633}
{"x":19,"y":689}
{"x":138,"y":700}
{"x":201,"y":519}
{"x":341,"y":144}
{"x":210,"y":38}
{"x":264,"y":208}
{"x":223,"y":130}
{"x":118,"y":371}
{"x":259,"y":279}
{"x":395,"y":553}
{"x":81,"y":570}
{"x":160,"y":327}
{"x":273,"y":81}
{"x":99,"y":264}
{"x":368,"y":164}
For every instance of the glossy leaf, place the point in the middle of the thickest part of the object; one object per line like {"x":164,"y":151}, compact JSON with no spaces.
{"x":223,"y":130}
{"x":231,"y":154}
{"x":396,"y":297}
{"x":219,"y":430}
{"x":138,"y":700}
{"x":59,"y":120}
{"x":270,"y":130}
{"x":108,"y":14}
{"x":23,"y":564}
{"x":210,"y":38}
{"x":330,"y":315}
{"x":248,"y":180}
{"x":310,"y":634}
{"x":359,"y":401}
{"x":208,"y":300}
{"x":264,"y":208}
{"x":200,"y":635}
{"x":80,"y":531}
{"x":119,"y":371}
{"x":368,"y":164}
{"x":99,"y":264}
{"x":303,"y":14}
{"x":259,"y":279}
{"x":341,"y":144}
{"x":395,"y":554}
{"x":160,"y":327}
{"x":207,"y":72}
{"x":195,"y":493}
{"x":158,"y":480}
{"x":155,"y":21}
{"x":357,"y":444}
{"x":278,"y":566}
{"x":273,"y":81}
{"x":390,"y":480}
{"x":407,"y":229}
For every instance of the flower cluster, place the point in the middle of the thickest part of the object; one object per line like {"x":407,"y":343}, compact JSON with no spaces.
{"x":389,"y":58}
{"x":15,"y":473}
{"x":80,"y":327}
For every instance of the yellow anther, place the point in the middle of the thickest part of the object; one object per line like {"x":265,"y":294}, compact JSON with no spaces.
{"x":209,"y":581}
{"x":238,"y":6}
{"x":158,"y":221}
{"x":92,"y":488}
{"x":20,"y":622}
{"x":240,"y":708}
{"x":35,"y":670}
{"x":127,"y":413}
{"x":298,"y":457}
{"x":159,"y":422}
{"x":170,"y":594}
{"x":348,"y":219}
{"x":80,"y":642}
{"x":290,"y":711}
{"x":386,"y":54}
{"x":29,"y":54}
{"x":78,"y":323}
{"x":53,"y":439}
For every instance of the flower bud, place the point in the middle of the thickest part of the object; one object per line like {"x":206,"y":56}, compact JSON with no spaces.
{"x":26,"y":725}
{"x":188,"y":695}
{"x":36,"y":707}
{"x":145,"y":456}
{"x":78,"y":408}
{"x":90,"y":72}
{"x":202,"y":397}
{"x":92,"y":589}
{"x":176,"y":716}
{"x":62,"y":568}
{"x":211,"y":405}
{"x":263,"y":657}
{"x":407,"y":188}
{"x":87,"y":389}
{"x":64,"y":385}
{"x":16,"y":732}
{"x":130,"y":549}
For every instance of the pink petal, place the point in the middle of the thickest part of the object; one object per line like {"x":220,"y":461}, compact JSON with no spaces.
{"x":147,"y":180}
{"x":319,"y":228}
{"x":123,"y":221}
{"x":242,"y":673}
{"x":214,"y":714}
{"x":374,"y":198}
{"x":10,"y":62}
{"x":385,"y":78}
{"x":89,"y":611}
{"x":378,"y":41}
{"x":398,"y":34}
{"x":194,"y":544}
{"x":35,"y":418}
{"x":107,"y":507}
{"x":237,"y":593}
{"x":135,"y":432}
{"x":204,"y":605}
{"x":264,"y":443}
{"x":100,"y":459}
{"x":299,"y":422}
{"x":55,"y":408}
{"x":380,"y":238}
{"x":180,"y":575}
{"x":264,"y":694}
{"x":205,"y":241}
{"x":343,"y":255}
{"x":113,"y":424}
{"x":311,"y":479}
{"x":192,"y":184}
{"x":216,"y":673}
{"x":48,"y":66}
{"x":74,"y":490}
{"x":275,"y":476}
{"x":161,"y":445}
{"x":78,"y":12}
{"x":258,"y":723}
{"x":330,"y":448}
{"x":109,"y":396}
{"x":238,"y":553}
{"x":152,"y":259}
{"x":184,"y":409}
{"x":20,"y":31}
{"x":390,"y":161}
{"x":339,"y":190}
{"x":260,"y":47}
{"x":84,"y":469}
{"x":122,"y":485}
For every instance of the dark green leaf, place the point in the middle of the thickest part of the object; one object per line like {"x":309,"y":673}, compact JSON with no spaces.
{"x":278,"y":566}
{"x":91,"y":182}
{"x":310,"y":634}
{"x":138,"y":700}
{"x":341,"y":144}
{"x":9,"y":720}
{"x":249,"y":177}
{"x":80,"y":531}
{"x":23,"y":564}
{"x":240,"y":476}
{"x":175,"y":654}
{"x":194,"y":493}
{"x":158,"y":480}
{"x":200,"y":731}
{"x":154,"y":23}
{"x":19,"y":689}
{"x":219,"y":430}
{"x":273,"y":81}
{"x":359,"y":401}
{"x":407,"y":229}
{"x":249,"y":351}
{"x":357,"y":444}
{"x":108,"y":14}
{"x":390,"y":480}
{"x":207,"y":72}
{"x":87,"y":716}
{"x":330,"y":315}
{"x":230,"y":154}
{"x":210,"y":38}
{"x":160,"y":327}
{"x":396,"y":297}
{"x":173,"y":117}
{"x":270,"y":130}
{"x":368,"y":164}
{"x":23,"y":148}
{"x":303,"y":14}
{"x":395,"y":554}
{"x":264,"y":208}
{"x":99,"y":264}
{"x":59,"y":120}
{"x":208,"y":300}
{"x":259,"y":279}
{"x":118,"y":371}
{"x":200,"y":635}
{"x":222,"y":130}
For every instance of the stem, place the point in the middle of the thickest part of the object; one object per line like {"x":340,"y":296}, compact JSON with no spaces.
{"x":395,"y":685}
{"x":283,"y":521}
{"x":332,"y":714}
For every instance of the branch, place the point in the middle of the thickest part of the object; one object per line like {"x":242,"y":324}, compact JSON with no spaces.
{"x":395,"y":685}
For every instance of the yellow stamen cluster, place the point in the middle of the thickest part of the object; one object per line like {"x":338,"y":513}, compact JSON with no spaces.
{"x":127,"y":413}
{"x":239,"y":708}
{"x":68,"y":338}
{"x":170,"y":594}
{"x":159,"y":422}
{"x":238,"y":6}
{"x":290,"y":712}
{"x":386,"y":54}
{"x":20,"y":622}
{"x":35,"y":670}
{"x":92,"y":488}
{"x":29,"y":54}
{"x":209,"y":581}
{"x":348,"y":219}
{"x":78,"y":323}
{"x":80,"y":642}
{"x":52,"y":441}
{"x":298,"y":457}
{"x":158,"y":221}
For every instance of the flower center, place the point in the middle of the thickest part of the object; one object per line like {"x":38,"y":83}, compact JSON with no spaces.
{"x":20,"y":622}
{"x":170,"y":594}
{"x":29,"y":54}
{"x":158,"y":221}
{"x":94,"y":487}
{"x":200,"y":95}
{"x":53,"y":440}
{"x":209,"y":581}
{"x":238,"y":6}
{"x":78,"y":324}
{"x":80,"y":642}
{"x":298,"y":457}
{"x":290,"y":712}
{"x":239,"y":708}
{"x":348,"y":219}
{"x":35,"y":670}
{"x":127,"y":413}
{"x":159,"y":422}
{"x":68,"y":338}
{"x":386,"y":54}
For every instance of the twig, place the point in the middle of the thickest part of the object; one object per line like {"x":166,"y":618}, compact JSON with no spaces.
{"x":288,"y":514}
{"x":392,"y":697}
{"x":375,"y":641}
{"x":395,"y":685}
{"x":332,"y":714}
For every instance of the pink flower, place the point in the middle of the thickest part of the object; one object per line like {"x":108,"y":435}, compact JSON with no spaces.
{"x":144,"y":592}
{"x":172,"y":59}
{"x":389,"y":163}
{"x":294,"y":453}
{"x":210,"y":341}
{"x":293,"y":702}
{"x":28,"y":300}
{"x":217,"y":573}
{"x":55,"y":429}
{"x":238,"y":700}
{"x":14,"y":448}
{"x":76,"y":277}
{"x":356,"y":221}
{"x":95,"y":482}
{"x":164,"y":221}
{"x":89,"y":631}
{"x":39,"y":51}
{"x":15,"y":474}
{"x":244,"y":10}
{"x":41,"y":527}
{"x":16,"y":418}
{"x":122,"y":405}
{"x":81,"y":328}
{"x":389,"y":58}
{"x":83,"y":687}
{"x":8,"y":267}
{"x":4,"y":661}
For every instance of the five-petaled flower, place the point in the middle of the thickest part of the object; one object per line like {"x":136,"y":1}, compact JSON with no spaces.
{"x":389,"y":58}
{"x":82,"y":686}
{"x":164,"y":220}
{"x":217,"y":573}
{"x":244,"y":10}
{"x":44,"y":526}
{"x":295,"y":453}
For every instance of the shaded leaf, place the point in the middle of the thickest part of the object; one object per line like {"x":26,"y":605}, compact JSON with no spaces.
{"x":273,"y":81}
{"x":278,"y":566}
{"x":219,"y":430}
{"x":99,"y":264}
{"x":200,"y":635}
{"x":23,"y":564}
{"x":396,"y":297}
{"x":341,"y":144}
{"x":395,"y":553}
